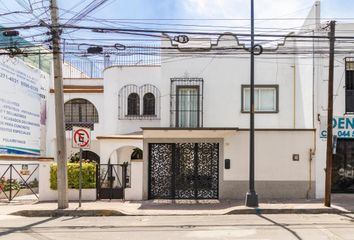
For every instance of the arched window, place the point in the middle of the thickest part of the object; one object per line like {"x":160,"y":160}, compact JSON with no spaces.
{"x":80,"y":112}
{"x":149,"y":104}
{"x":133,"y":104}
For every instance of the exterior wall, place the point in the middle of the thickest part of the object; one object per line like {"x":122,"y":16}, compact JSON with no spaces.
{"x":224,"y":75}
{"x":95,"y":98}
{"x":110,"y":147}
{"x":135,"y":191}
{"x":47,"y":194}
{"x":115,"y":79}
{"x":276,"y":174}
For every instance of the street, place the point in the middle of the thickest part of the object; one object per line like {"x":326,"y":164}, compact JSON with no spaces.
{"x":276,"y":226}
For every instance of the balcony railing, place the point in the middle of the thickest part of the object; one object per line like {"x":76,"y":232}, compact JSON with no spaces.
{"x":93,"y":68}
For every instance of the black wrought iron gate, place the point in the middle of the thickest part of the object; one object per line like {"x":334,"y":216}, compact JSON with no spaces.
{"x":111,"y":179}
{"x":183,"y":170}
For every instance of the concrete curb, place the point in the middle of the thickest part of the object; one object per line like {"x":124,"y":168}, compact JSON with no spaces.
{"x":287,"y":211}
{"x":105,"y":212}
{"x":73,"y":213}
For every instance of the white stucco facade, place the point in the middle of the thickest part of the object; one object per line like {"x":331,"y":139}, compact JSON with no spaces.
{"x":292,"y":129}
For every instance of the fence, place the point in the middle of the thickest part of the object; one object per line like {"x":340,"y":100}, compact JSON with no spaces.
{"x":93,"y":68}
{"x":18,"y":180}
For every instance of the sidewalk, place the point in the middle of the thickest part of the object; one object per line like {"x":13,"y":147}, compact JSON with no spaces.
{"x":341,"y":204}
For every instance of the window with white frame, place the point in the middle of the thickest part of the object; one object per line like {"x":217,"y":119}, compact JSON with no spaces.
{"x":265,"y":98}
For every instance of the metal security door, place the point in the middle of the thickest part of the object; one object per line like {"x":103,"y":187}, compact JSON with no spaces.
{"x":183,"y":170}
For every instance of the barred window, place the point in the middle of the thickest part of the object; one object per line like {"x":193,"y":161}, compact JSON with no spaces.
{"x":349,"y":85}
{"x":139,"y":102}
{"x":149,"y":104}
{"x":133,"y":104}
{"x":80,"y":112}
{"x":186,"y":102}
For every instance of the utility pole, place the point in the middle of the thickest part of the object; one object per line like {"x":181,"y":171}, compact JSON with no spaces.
{"x":328,"y":187}
{"x":251,"y":196}
{"x":62,"y":178}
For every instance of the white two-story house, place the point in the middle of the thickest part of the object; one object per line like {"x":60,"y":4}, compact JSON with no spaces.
{"x":189,"y":113}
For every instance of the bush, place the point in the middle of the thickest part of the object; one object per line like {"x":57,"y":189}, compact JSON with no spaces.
{"x":88,"y":175}
{"x":5,"y":184}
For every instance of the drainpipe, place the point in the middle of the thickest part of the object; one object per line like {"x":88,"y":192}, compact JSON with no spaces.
{"x":294,"y":113}
{"x":312,"y":151}
{"x":312,"y":154}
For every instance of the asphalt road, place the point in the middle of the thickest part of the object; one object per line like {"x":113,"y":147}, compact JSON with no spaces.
{"x":277,"y":226}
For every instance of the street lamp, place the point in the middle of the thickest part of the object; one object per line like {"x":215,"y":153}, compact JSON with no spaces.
{"x":251,"y":196}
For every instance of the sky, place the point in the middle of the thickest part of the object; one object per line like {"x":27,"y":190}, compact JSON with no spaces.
{"x":157,"y":9}
{"x":214,"y":8}
{"x":149,"y":13}
{"x":192,"y":15}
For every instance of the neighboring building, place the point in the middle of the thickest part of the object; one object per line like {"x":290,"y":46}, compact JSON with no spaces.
{"x":190,"y":117}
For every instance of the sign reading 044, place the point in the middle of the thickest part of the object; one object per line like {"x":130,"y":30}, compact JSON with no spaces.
{"x":81,"y":137}
{"x":343,"y":127}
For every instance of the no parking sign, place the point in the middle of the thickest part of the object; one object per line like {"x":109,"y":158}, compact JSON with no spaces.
{"x":81,"y":137}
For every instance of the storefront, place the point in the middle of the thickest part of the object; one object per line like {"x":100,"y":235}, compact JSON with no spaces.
{"x":343,"y":154}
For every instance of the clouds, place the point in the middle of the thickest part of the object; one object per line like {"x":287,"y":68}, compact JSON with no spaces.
{"x":216,"y":8}
{"x":241,"y":9}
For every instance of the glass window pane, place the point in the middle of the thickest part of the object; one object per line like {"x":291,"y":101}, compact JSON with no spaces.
{"x":257,"y":103}
{"x":188,"y":107}
{"x":268,"y":99}
{"x":246,"y":99}
{"x":264,"y":99}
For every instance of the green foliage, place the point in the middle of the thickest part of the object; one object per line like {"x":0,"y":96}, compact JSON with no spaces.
{"x":34,"y":183}
{"x":75,"y":158}
{"x":88,"y":175}
{"x":6,"y":184}
{"x":137,"y":154}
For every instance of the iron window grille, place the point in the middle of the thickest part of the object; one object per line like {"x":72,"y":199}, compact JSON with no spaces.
{"x":186,"y":103}
{"x":149,"y":104}
{"x":133,"y":104}
{"x":139,"y":103}
{"x":80,"y":112}
{"x":266,"y":98}
{"x":349,"y":85}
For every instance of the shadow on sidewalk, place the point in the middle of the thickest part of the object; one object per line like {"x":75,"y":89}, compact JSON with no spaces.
{"x":188,"y":204}
{"x":343,"y":200}
{"x":26,"y":227}
{"x":163,"y":204}
{"x":280,"y":225}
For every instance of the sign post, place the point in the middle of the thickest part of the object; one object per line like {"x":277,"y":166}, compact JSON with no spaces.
{"x":81,"y":139}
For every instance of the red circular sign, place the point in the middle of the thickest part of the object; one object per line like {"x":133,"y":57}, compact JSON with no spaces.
{"x":81,"y":138}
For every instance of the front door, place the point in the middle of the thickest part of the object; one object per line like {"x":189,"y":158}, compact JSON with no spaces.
{"x":343,"y":167}
{"x":183,"y":170}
